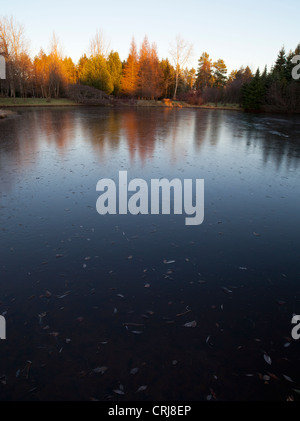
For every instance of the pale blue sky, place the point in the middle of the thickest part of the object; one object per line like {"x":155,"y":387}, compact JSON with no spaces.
{"x":242,"y":33}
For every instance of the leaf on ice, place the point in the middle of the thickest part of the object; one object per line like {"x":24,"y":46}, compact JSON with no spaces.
{"x":288,"y":379}
{"x":226,"y":290}
{"x":55,"y":334}
{"x":64,"y":295}
{"x":267,"y":359}
{"x":142,"y":388}
{"x":191,"y":324}
{"x":100,"y":370}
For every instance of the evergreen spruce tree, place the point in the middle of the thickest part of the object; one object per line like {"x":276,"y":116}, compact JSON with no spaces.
{"x":253,"y":93}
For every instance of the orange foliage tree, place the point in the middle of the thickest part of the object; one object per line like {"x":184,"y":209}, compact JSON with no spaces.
{"x":150,"y":73}
{"x":129,"y":81}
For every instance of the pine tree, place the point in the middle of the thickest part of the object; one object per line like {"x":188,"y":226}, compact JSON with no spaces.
{"x":281,"y":64}
{"x":204,"y":75}
{"x":219,"y":74}
{"x":253,"y":93}
{"x":168,"y":78}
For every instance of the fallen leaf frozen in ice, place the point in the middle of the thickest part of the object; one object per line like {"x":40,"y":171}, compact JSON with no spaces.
{"x":142,"y":388}
{"x":119,"y":392}
{"x":287,"y":378}
{"x":191,"y":324}
{"x":226,"y":290}
{"x":267,"y":359}
{"x":55,"y":334}
{"x":101,"y":370}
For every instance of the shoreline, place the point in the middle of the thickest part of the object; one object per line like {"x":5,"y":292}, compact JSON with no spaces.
{"x":6,"y":104}
{"x":9,"y":103}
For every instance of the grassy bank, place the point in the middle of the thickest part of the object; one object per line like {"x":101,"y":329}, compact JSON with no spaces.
{"x":211,"y":106}
{"x":63,"y":102}
{"x":181,"y":104}
{"x":35,"y":102}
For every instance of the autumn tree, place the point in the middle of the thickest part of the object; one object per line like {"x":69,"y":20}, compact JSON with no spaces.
{"x":189,"y":77}
{"x":129,"y":81}
{"x":13,"y":46}
{"x":80,"y":65}
{"x":41,"y":70}
{"x":57,"y":78}
{"x":156,"y":73}
{"x":150,"y":75}
{"x":69,"y":70}
{"x":232,"y":76}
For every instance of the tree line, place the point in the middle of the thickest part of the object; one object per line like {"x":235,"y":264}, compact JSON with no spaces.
{"x":143,"y":75}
